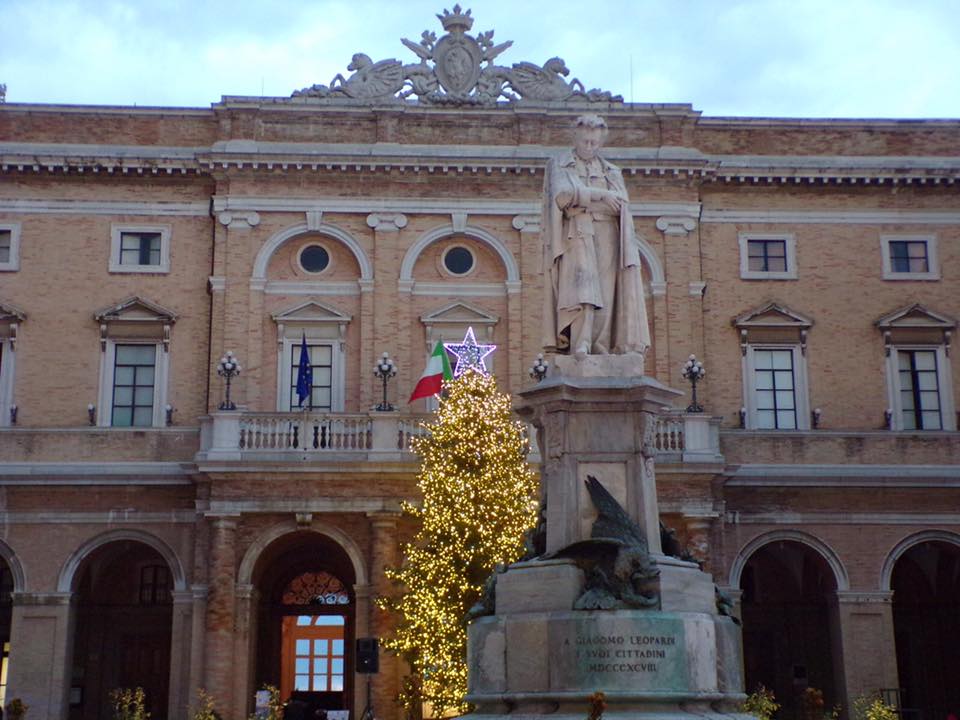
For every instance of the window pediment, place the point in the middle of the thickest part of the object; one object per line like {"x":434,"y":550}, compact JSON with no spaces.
{"x":773,"y":323}
{"x":135,"y":317}
{"x":459,"y":313}
{"x":916,"y":324}
{"x":325,"y":320}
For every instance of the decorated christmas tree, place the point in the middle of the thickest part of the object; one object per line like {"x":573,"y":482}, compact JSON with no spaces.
{"x":479,"y":498}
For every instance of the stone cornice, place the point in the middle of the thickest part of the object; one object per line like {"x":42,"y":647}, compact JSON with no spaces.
{"x":670,"y":162}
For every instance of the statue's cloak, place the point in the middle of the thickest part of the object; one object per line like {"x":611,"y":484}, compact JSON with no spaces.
{"x":563,"y":189}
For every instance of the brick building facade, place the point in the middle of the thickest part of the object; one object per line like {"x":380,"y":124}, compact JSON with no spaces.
{"x":150,"y":539}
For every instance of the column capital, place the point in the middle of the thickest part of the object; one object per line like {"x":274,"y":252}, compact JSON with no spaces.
{"x":387,"y":222}
{"x":362,"y":592}
{"x":384,"y":518}
{"x":239,"y":219}
{"x":225,"y":521}
{"x":41,"y":598}
{"x":864,"y":597}
{"x":526,"y":223}
{"x":675,"y":225}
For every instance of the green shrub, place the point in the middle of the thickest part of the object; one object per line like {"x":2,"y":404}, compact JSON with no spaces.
{"x":872,"y":707}
{"x":760,"y":703}
{"x":129,"y":704}
{"x":205,"y":709}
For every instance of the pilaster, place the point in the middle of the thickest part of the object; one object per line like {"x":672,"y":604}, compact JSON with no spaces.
{"x":384,"y":554}
{"x":41,"y":653}
{"x":221,"y":612}
{"x":868,"y":658}
{"x":379,"y":309}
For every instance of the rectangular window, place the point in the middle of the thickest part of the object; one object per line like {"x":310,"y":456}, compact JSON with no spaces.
{"x":154,"y":585}
{"x":140,"y":248}
{"x":10,"y":246}
{"x":919,"y":390}
{"x":321,"y":392}
{"x":910,"y":257}
{"x":133,"y":385}
{"x":775,"y":390}
{"x":767,"y":255}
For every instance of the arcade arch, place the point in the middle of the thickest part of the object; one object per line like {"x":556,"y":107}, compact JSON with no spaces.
{"x":923,"y":571}
{"x":789,"y":582}
{"x":305,"y":603}
{"x":123,"y":622}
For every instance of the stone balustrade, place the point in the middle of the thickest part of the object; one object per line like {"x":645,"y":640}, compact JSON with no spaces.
{"x":249,"y":435}
{"x":687,"y":438}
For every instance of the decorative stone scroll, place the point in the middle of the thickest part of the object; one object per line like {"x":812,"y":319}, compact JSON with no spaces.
{"x":457,"y":69}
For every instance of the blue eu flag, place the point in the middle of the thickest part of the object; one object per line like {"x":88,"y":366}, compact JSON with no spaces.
{"x":304,"y":373}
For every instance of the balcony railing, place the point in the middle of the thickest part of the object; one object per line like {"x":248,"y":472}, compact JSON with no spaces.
{"x":687,"y":438}
{"x":245,"y":435}
{"x":248,"y":435}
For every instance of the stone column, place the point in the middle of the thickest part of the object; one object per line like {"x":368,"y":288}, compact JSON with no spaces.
{"x":243,"y":648}
{"x":361,"y":594}
{"x":181,"y":636}
{"x":41,"y":653}
{"x":864,"y":649}
{"x":384,"y":554}
{"x":219,"y":670}
{"x":198,"y":619}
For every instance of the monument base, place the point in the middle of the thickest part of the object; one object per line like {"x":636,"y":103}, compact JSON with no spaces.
{"x":645,"y":662}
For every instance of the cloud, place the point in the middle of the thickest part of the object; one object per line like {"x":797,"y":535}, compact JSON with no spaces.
{"x":737,"y":57}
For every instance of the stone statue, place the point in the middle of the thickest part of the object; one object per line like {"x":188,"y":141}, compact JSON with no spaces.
{"x":593,"y":289}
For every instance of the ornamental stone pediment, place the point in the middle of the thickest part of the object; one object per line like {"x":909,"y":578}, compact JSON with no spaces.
{"x":460,"y":313}
{"x":456,"y":69}
{"x":772,"y":315}
{"x":773,"y":322}
{"x":311,"y":312}
{"x":915,"y":316}
{"x":135,"y":309}
{"x":136,"y":318}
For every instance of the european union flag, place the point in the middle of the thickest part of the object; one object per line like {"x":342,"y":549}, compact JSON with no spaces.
{"x":304,"y":373}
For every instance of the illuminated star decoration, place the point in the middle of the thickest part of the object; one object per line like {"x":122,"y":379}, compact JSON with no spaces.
{"x":469,"y":354}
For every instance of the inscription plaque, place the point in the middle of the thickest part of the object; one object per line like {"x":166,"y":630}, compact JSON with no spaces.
{"x":626,"y":654}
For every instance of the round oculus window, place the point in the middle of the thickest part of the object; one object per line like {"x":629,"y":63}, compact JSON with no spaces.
{"x":458,"y":260}
{"x":314,"y":258}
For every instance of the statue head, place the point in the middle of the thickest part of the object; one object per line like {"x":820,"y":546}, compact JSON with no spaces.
{"x":591,"y":131}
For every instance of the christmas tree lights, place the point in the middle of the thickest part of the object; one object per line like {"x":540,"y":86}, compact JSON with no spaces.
{"x":479,"y":498}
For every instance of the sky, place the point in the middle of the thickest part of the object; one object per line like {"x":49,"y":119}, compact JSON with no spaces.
{"x":766,"y":58}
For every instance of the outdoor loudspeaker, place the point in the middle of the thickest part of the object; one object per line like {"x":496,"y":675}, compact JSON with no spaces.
{"x":368,"y":655}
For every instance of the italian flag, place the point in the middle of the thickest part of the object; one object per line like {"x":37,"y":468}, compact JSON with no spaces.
{"x":438,"y":370}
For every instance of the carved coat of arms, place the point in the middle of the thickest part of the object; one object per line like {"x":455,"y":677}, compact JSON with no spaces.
{"x":457,"y":69}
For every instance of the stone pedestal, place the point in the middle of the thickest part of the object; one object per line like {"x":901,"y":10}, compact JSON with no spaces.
{"x":601,"y":425}
{"x":537,"y":655}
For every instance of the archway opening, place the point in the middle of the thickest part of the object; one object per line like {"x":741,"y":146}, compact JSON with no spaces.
{"x":926,"y":623}
{"x":306,"y":622}
{"x":789,"y":624}
{"x":122,"y":633}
